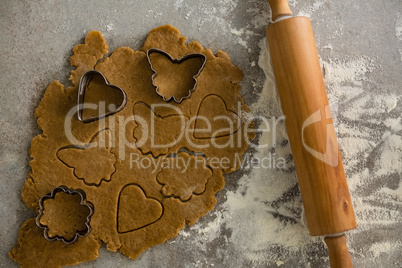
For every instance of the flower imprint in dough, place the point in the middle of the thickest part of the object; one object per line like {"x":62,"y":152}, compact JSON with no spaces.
{"x":183,"y":175}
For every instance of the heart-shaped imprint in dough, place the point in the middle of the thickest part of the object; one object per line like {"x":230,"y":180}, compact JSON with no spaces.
{"x":97,"y":98}
{"x":214,"y":120}
{"x":135,"y":210}
{"x":175,"y":78}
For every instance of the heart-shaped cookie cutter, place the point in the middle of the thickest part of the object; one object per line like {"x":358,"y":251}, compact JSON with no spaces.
{"x":84,"y":81}
{"x":83,"y":202}
{"x":176,"y":61}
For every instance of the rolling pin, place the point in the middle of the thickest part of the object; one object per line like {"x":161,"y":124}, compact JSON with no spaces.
{"x":311,"y":132}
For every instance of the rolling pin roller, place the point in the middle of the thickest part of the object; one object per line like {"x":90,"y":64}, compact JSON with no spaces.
{"x":311,"y":132}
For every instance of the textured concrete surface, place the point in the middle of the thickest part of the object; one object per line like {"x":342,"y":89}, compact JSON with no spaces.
{"x":363,"y":38}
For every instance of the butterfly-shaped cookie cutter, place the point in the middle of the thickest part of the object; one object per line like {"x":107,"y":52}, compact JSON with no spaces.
{"x":84,"y":81}
{"x":176,"y":61}
{"x":83,"y":202}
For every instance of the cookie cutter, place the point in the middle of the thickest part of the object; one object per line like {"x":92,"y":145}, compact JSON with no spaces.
{"x":176,"y":61}
{"x":83,"y":202}
{"x":84,"y":81}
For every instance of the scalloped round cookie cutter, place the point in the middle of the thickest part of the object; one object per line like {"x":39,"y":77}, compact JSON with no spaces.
{"x":83,"y":202}
{"x":176,"y":61}
{"x":84,"y":81}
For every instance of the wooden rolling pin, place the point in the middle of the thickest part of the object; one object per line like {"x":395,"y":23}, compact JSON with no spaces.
{"x":311,"y":132}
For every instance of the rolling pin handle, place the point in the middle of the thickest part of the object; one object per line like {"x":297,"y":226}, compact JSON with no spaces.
{"x":338,"y":251}
{"x":280,"y":8}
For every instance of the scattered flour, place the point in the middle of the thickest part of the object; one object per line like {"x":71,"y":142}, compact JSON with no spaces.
{"x":398,"y":30}
{"x":379,"y":248}
{"x":207,"y":15}
{"x":279,"y":263}
{"x":269,"y":198}
{"x":109,"y":27}
{"x":337,"y":71}
{"x":312,"y":9}
{"x":262,"y":220}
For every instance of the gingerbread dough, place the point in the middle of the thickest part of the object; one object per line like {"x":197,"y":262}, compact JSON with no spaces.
{"x":149,"y":169}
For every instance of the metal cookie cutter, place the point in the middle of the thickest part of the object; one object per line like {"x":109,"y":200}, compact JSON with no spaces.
{"x":176,"y":61}
{"x":84,"y":81}
{"x":83,"y":202}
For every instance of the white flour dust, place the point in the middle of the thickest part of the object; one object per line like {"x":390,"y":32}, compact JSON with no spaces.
{"x":264,"y":215}
{"x":398,"y":31}
{"x":261,"y":223}
{"x":204,"y":14}
{"x":308,"y":11}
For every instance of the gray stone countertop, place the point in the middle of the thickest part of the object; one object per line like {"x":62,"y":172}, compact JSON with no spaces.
{"x":360,"y":47}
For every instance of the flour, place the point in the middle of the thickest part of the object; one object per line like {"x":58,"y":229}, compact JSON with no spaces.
{"x":254,"y":202}
{"x":207,"y":14}
{"x":264,"y":214}
{"x":262,"y":220}
{"x":312,"y":9}
{"x":337,"y":71}
{"x":377,"y":249}
{"x":109,"y":27}
{"x":398,"y":30}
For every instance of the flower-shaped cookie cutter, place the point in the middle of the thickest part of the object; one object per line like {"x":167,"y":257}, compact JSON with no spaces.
{"x":176,"y":61}
{"x":83,"y":202}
